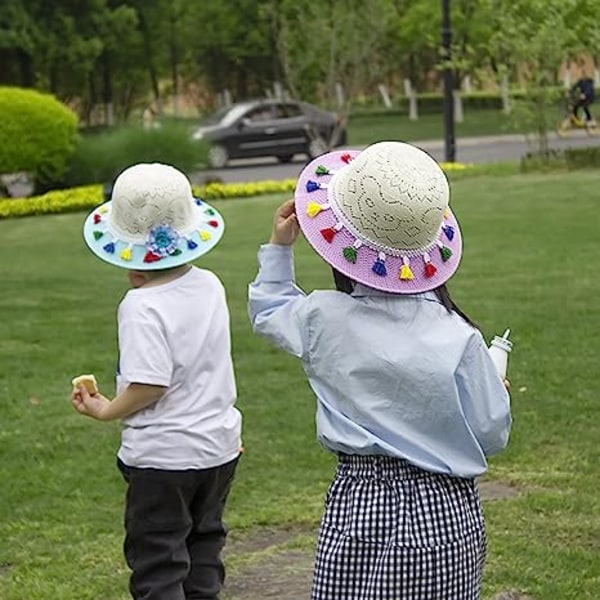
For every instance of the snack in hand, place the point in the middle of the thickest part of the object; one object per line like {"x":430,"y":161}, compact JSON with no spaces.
{"x":89,"y":381}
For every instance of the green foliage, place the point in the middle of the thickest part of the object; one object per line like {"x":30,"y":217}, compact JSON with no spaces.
{"x":37,"y":135}
{"x":581,"y":158}
{"x":101,"y":156}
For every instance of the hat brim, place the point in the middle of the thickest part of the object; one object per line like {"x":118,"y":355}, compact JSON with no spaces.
{"x":209,"y":230}
{"x":331,"y":248}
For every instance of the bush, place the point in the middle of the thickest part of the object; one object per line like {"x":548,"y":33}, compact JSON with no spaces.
{"x":580,"y":158}
{"x":38,"y":135}
{"x":100,"y":157}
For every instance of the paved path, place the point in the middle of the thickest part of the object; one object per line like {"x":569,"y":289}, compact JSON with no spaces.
{"x":485,"y":149}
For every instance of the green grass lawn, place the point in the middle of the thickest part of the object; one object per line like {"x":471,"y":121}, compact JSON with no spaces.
{"x":530,"y":263}
{"x":366,"y":129}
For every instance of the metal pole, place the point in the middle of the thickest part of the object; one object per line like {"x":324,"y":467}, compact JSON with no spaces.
{"x":450,"y":143}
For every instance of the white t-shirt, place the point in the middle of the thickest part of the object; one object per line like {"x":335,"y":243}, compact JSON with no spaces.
{"x":177,"y":335}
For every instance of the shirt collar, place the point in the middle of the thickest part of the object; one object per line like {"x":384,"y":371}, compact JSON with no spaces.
{"x":361,"y":290}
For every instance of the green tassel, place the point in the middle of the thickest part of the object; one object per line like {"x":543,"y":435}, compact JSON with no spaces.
{"x":321,"y":170}
{"x":350,"y":253}
{"x":98,"y":234}
{"x":175,"y":252}
{"x":445,"y":252}
{"x":209,"y":211}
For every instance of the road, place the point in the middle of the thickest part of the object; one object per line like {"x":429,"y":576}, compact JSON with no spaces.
{"x":468,"y":150}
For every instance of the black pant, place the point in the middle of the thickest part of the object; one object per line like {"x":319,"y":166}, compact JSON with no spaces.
{"x":174,"y":531}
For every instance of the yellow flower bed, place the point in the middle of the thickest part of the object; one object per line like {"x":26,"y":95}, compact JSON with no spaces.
{"x":90,"y":196}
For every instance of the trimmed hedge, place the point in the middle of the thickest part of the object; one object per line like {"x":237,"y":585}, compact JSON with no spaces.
{"x":38,"y":135}
{"x":88,"y":197}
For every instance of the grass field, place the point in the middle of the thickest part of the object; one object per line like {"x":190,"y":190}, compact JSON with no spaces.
{"x":530,"y":263}
{"x":365,"y":129}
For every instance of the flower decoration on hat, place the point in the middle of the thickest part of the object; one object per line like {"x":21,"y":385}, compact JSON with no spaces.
{"x":162,"y":241}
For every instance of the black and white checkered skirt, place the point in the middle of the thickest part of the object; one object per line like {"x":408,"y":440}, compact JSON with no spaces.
{"x":392,"y":531}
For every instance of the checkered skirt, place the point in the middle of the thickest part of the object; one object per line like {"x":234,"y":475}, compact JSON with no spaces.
{"x":392,"y":531}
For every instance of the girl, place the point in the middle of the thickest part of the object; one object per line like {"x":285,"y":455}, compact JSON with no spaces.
{"x":407,"y":395}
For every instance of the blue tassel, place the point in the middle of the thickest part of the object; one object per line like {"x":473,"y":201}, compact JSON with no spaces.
{"x":110,"y":248}
{"x":191,"y":244}
{"x":449,"y":231}
{"x":379,"y":268}
{"x":198,"y":201}
{"x":312,"y":186}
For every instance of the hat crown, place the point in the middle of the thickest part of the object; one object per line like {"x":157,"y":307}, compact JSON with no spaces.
{"x":149,"y":195}
{"x":392,"y":196}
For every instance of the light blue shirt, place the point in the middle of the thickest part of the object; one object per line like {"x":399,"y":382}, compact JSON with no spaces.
{"x":394,"y":375}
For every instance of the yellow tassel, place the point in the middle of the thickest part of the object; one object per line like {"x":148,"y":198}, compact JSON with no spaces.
{"x":446,"y":214}
{"x":126,"y":254}
{"x":204,"y":236}
{"x":313,"y":209}
{"x":103,"y":210}
{"x":406,"y":273}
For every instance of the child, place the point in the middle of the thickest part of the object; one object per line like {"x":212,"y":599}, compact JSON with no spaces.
{"x":175,"y":383}
{"x":407,"y":395}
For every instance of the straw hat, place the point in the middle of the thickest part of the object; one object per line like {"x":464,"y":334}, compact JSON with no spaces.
{"x":152,"y":221}
{"x":381,"y":217}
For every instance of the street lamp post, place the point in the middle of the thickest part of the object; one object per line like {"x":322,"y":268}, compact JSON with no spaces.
{"x":449,"y":141}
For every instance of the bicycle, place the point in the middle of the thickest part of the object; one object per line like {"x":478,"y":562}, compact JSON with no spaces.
{"x":570,"y":122}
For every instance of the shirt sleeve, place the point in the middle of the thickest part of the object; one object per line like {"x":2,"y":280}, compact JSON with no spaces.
{"x":144,"y":354}
{"x":277,"y":308}
{"x":484,"y":399}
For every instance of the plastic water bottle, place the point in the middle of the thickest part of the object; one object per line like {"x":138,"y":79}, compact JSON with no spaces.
{"x":499,"y":349}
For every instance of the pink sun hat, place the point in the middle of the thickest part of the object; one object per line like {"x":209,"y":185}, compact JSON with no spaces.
{"x":381,"y":216}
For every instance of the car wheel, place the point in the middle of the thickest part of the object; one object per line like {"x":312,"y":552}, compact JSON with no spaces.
{"x":217,"y":156}
{"x":285,"y":158}
{"x":316,"y":147}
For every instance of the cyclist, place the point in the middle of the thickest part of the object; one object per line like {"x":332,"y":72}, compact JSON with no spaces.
{"x":582,"y":94}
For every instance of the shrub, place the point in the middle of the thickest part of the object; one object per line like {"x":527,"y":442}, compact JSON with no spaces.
{"x":37,"y":135}
{"x":101,"y":156}
{"x":580,"y":158}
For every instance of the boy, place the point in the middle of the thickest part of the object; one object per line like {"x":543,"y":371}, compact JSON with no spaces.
{"x":175,"y":383}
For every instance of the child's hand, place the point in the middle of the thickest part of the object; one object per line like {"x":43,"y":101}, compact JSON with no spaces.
{"x":84,"y":403}
{"x":507,"y":384}
{"x":285,"y":225}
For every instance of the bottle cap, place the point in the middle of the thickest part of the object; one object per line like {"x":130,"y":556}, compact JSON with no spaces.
{"x":503,"y":342}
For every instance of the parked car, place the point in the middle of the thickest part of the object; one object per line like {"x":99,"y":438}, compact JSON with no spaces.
{"x":266,"y":127}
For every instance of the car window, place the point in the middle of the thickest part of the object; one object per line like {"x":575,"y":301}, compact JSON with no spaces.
{"x":226,"y":115}
{"x":259,"y":114}
{"x":288,"y":111}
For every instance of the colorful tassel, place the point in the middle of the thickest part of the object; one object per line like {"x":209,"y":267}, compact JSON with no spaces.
{"x":209,"y":211}
{"x":191,"y":244}
{"x":379,"y":266}
{"x":110,"y":248}
{"x":98,"y":235}
{"x":103,"y":209}
{"x":312,"y":186}
{"x":213,"y":223}
{"x":322,"y":170}
{"x":449,"y":231}
{"x":446,"y":214}
{"x":97,"y":219}
{"x":445,"y":253}
{"x":126,"y":253}
{"x":198,"y":201}
{"x":346,"y":157}
{"x":204,"y":235}
{"x":350,"y":254}
{"x":175,"y":252}
{"x":151,"y":257}
{"x":328,"y":233}
{"x":313,"y":209}
{"x":406,"y":273}
{"x":430,"y":269}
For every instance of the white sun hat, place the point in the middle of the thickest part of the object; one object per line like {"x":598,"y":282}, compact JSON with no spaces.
{"x":152,"y":221}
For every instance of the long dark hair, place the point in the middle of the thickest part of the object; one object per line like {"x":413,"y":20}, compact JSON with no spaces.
{"x":343,"y":283}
